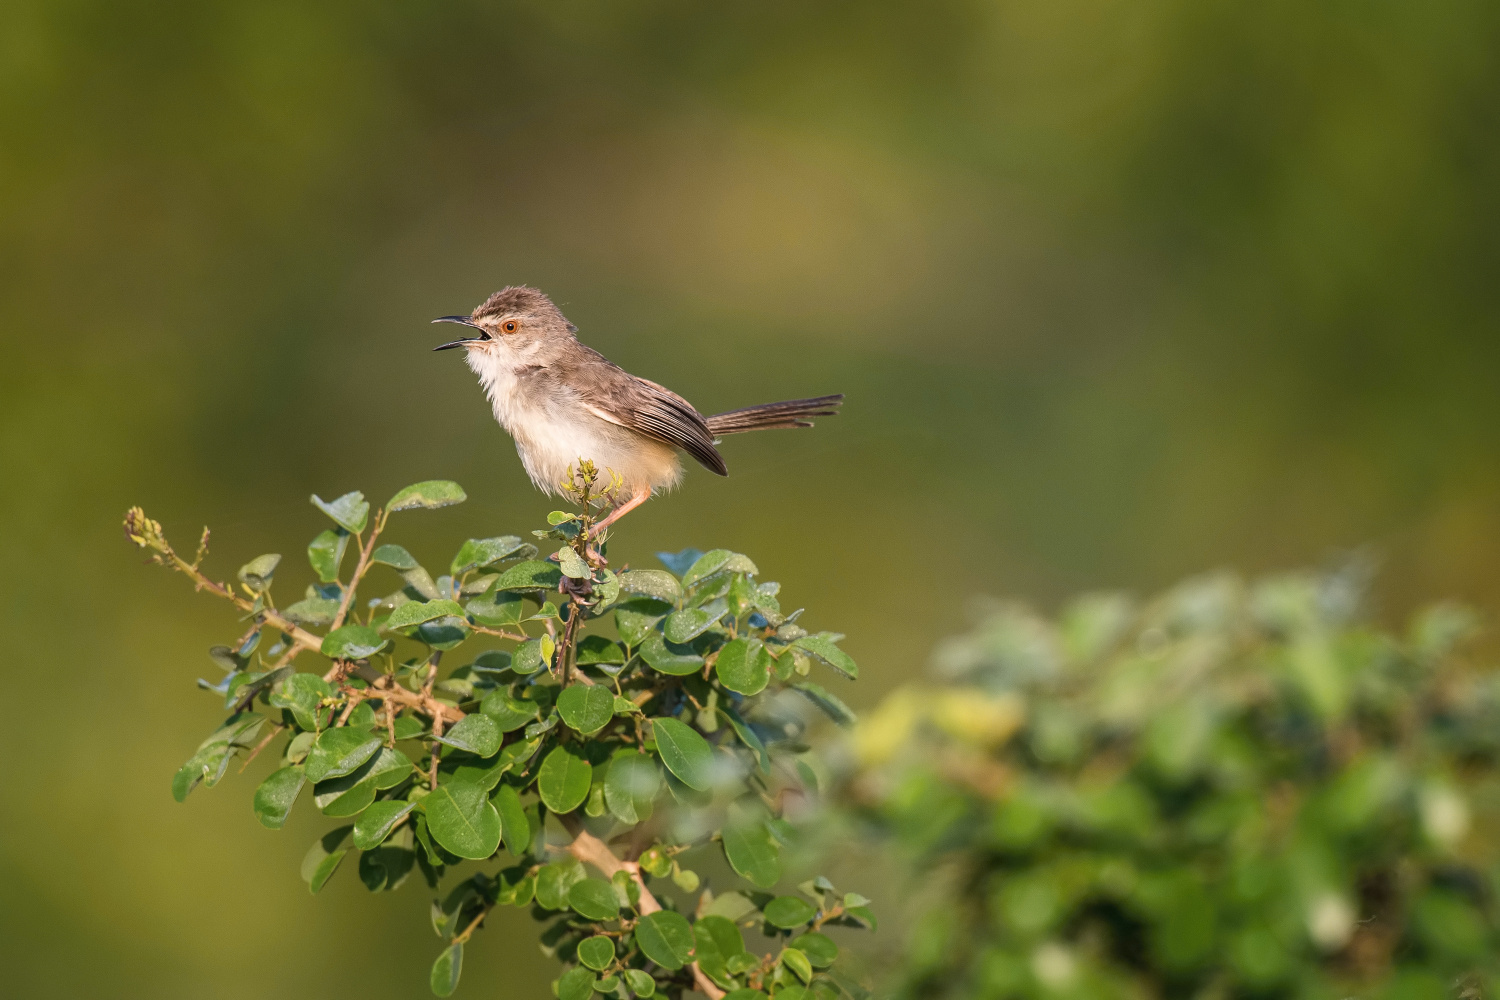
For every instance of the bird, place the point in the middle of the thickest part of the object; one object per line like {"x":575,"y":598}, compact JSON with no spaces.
{"x":563,"y":403}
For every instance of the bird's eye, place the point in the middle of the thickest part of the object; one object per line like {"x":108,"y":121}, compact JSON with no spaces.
{"x":510,"y":326}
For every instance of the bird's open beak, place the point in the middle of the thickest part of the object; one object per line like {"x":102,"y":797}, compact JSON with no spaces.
{"x":462,"y":321}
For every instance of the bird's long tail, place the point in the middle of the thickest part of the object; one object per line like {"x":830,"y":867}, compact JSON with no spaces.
{"x":792,"y":413}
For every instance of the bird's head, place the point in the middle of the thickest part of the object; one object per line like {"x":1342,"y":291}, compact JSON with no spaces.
{"x":514,"y":319}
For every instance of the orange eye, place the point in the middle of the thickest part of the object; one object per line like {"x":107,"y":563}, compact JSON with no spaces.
{"x":510,"y":326}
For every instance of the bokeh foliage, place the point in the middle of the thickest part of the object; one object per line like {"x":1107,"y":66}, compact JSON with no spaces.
{"x":550,"y":751}
{"x":1174,"y":284}
{"x":1233,"y":790}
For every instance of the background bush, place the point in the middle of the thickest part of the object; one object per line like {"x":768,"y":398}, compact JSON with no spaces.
{"x":1232,"y":790}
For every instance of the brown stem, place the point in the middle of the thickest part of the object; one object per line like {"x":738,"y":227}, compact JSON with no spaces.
{"x":463,"y":935}
{"x":359,"y":568}
{"x":275,"y":728}
{"x":499,"y":633}
{"x":565,"y":648}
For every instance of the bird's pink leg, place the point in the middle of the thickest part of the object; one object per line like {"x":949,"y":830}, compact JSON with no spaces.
{"x":639,"y":497}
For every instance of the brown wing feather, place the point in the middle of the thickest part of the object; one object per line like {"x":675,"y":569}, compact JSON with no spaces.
{"x":647,"y":408}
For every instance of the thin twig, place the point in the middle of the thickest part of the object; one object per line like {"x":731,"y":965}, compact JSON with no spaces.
{"x":463,"y":935}
{"x":360,"y":567}
{"x":275,"y":728}
{"x":499,"y":633}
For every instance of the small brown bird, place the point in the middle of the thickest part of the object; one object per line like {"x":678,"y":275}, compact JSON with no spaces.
{"x":563,"y":402}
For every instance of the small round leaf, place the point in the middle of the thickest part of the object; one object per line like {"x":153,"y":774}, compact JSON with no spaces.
{"x":586,"y":708}
{"x":594,"y":898}
{"x":596,"y":952}
{"x":787,"y":912}
{"x":564,"y":779}
{"x":666,"y":938}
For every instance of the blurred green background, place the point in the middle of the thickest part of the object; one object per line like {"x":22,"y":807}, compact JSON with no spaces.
{"x":1118,"y":291}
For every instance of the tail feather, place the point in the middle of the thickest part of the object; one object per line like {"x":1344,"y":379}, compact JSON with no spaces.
{"x":769,"y":416}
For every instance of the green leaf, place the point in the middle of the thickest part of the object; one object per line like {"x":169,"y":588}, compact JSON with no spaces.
{"x":819,"y":949}
{"x":244,"y":687}
{"x":417,"y":612}
{"x":443,"y":633}
{"x":256,"y":574}
{"x":338,"y":752}
{"x":824,"y":649}
{"x":323,"y":858}
{"x":484,"y":772}
{"x":429,"y":495}
{"x":707,"y":565}
{"x":394,"y":556}
{"x":515,"y":887}
{"x":476,"y":733}
{"x":409,"y":727}
{"x":751,"y":853}
{"x":706,"y":953}
{"x":352,"y":642}
{"x":493,"y":661}
{"x":630,"y":786}
{"x":666,"y":938}
{"x":529,"y":575}
{"x":749,"y":994}
{"x":724,"y":934}
{"x":665,"y":660}
{"x":477,"y":553}
{"x":797,"y":962}
{"x":732,"y":906}
{"x":345,"y":796}
{"x":446,"y":970}
{"x":508,"y":713}
{"x":462,"y":820}
{"x":349,"y":511}
{"x":527,"y":658}
{"x":652,"y":583}
{"x":554,"y":881}
{"x":744,"y":666}
{"x":685,"y":752}
{"x":831,"y":706}
{"x":686,"y":625}
{"x":595,"y":899}
{"x":680,"y":562}
{"x":513,"y":824}
{"x":563,"y":780}
{"x":497,"y":608}
{"x":387,"y":866}
{"x":326,"y":552}
{"x":640,"y":982}
{"x":597,"y":952}
{"x":747,"y":736}
{"x":312,"y":611}
{"x":576,"y":984}
{"x":389,"y":768}
{"x":787,"y":912}
{"x":571,"y":564}
{"x":276,"y":795}
{"x":302,"y":693}
{"x":586,"y":709}
{"x":597,"y":649}
{"x":636,"y":619}
{"x":377,"y":821}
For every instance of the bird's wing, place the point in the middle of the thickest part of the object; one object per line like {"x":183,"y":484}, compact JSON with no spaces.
{"x":652,"y":410}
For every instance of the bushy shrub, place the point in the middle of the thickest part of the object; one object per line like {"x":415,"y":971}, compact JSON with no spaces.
{"x":1232,"y":791}
{"x":602,"y":725}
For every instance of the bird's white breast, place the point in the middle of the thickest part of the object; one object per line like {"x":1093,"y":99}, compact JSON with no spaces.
{"x":554,"y":430}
